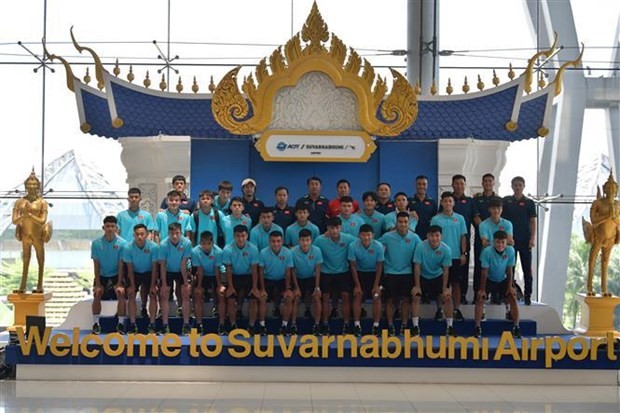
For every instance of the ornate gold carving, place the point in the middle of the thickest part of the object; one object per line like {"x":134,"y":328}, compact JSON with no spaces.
{"x":87,"y":77}
{"x":130,"y":75}
{"x":179,"y":86}
{"x":560,"y":74}
{"x":495,"y":79}
{"x":98,"y":66}
{"x":465,"y":86}
{"x":541,"y":81}
{"x":68,"y":71}
{"x":511,"y":73}
{"x":417,"y":89}
{"x":449,"y":88}
{"x":529,"y":71}
{"x":147,"y":80}
{"x":288,"y":63}
{"x":162,"y":84}
{"x":480,"y":84}
{"x":195,"y":87}
{"x":433,"y":89}
{"x":116,"y":70}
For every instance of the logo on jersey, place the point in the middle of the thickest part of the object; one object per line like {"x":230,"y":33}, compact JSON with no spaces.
{"x":179,"y":248}
{"x":281,"y":258}
{"x":407,"y":241}
{"x":521,"y":203}
{"x":504,"y":257}
{"x":140,"y":216}
{"x":438,"y":252}
{"x":501,"y":228}
{"x":463,"y":201}
{"x":245,"y":254}
{"x":319,"y":203}
{"x":147,"y":251}
{"x":311,"y":257}
{"x":453,"y":219}
{"x":211,"y":257}
{"x":115,"y":246}
{"x":371,"y":251}
{"x":341,"y":244}
{"x":287,"y":212}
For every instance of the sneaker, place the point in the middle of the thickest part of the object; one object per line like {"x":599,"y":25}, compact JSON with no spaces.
{"x":282,"y":331}
{"x":120,"y":328}
{"x":324,"y":330}
{"x":307,"y":313}
{"x":398,"y":314}
{"x":516,"y":332}
{"x":391,"y":330}
{"x":293,"y":330}
{"x":165,"y":330}
{"x":439,"y":315}
{"x":275,"y":313}
{"x":484,"y":316}
{"x":96,"y":328}
{"x":477,"y":331}
{"x":375,"y":331}
{"x":316,"y":330}
{"x":144,"y":313}
{"x":458,"y":316}
{"x":401,"y":330}
{"x":221,"y":329}
{"x":179,"y":312}
{"x":152,"y":329}
{"x":357,"y":331}
{"x":346,"y":329}
{"x":262,"y":330}
{"x":201,"y":329}
{"x":508,"y":316}
{"x":133,"y":329}
{"x":185,"y":330}
{"x":415,"y":331}
{"x":450,"y":331}
{"x":214,"y":312}
{"x":333,"y":313}
{"x":527,"y":299}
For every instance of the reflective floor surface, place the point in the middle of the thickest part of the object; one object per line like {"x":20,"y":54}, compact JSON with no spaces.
{"x":171,"y":397}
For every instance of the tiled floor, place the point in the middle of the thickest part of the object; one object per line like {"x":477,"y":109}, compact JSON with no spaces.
{"x":131,"y":397}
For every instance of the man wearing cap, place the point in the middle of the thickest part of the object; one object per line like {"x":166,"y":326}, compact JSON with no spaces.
{"x":251,"y":205}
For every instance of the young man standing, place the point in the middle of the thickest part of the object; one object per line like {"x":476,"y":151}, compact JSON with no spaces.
{"x":307,"y":260}
{"x":343,"y":188}
{"x":366,"y":258}
{"x":401,"y":202}
{"x":317,"y":204}
{"x":174,"y":252}
{"x":370,"y":214}
{"x":432,"y":261}
{"x":109,"y":282}
{"x":207,"y":260}
{"x":186,"y":204}
{"x":241,"y":260}
{"x":274,"y":274}
{"x":283,"y":214}
{"x":172,"y":214}
{"x":141,"y":257}
{"x":454,"y":234}
{"x":482,"y":204}
{"x":206,"y":218}
{"x":384,"y":204}
{"x":424,"y":206}
{"x":335,"y":274}
{"x":292,"y":232}
{"x":494,"y":223}
{"x":521,"y":211}
{"x":251,"y":205}
{"x":497,"y":263}
{"x":398,"y":267}
{"x":222,"y":199}
{"x":351,"y":222}
{"x":259,"y":235}
{"x":236,"y":217}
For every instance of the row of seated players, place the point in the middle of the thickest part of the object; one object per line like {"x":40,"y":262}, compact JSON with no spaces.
{"x":397,"y":267}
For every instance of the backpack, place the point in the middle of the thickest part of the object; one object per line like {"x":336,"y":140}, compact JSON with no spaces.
{"x":221,"y":241}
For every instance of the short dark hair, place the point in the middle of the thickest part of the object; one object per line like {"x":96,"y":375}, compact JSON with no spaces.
{"x":173,"y":226}
{"x":225,"y":185}
{"x":110,"y":219}
{"x":488,"y":175}
{"x":495,"y":202}
{"x":206,"y":236}
{"x":178,"y":178}
{"x":302,"y":207}
{"x":236,"y":199}
{"x":240,"y":229}
{"x":346,"y":198}
{"x":401,"y":194}
{"x":366,"y":228}
{"x":304,"y":233}
{"x":266,"y":210}
{"x":280,"y":188}
{"x":384,"y":183}
{"x":402,"y":214}
{"x":139,"y":226}
{"x":434,"y":229}
{"x":173,"y":193}
{"x":206,"y":192}
{"x":421,"y":177}
{"x":343,"y":181}
{"x":459,"y":176}
{"x":134,"y":190}
{"x":334,"y":222}
{"x":500,"y":235}
{"x":313,"y":178}
{"x":517,"y":179}
{"x":447,"y":194}
{"x":369,"y":194}
{"x":275,"y":234}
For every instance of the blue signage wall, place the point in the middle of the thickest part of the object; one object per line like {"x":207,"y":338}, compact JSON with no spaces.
{"x":396,"y":162}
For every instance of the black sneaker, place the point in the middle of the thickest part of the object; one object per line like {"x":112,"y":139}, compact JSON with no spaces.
{"x":516,"y":332}
{"x":391,"y":330}
{"x":293,"y":330}
{"x":415,"y":331}
{"x":221,"y":329}
{"x":214,"y":312}
{"x":144,"y":313}
{"x":357,"y":330}
{"x":120,"y":328}
{"x":179,"y":312}
{"x":527,"y":299}
{"x":201,"y":329}
{"x":96,"y":328}
{"x":450,"y":331}
{"x":262,"y":330}
{"x":477,"y":331}
{"x":333,"y":313}
{"x":463,"y":300}
{"x":152,"y":329}
{"x":186,"y":330}
{"x":316,"y":330}
{"x":458,"y":316}
{"x":282,"y":331}
{"x":484,"y":316}
{"x":397,"y":314}
{"x":346,"y":329}
{"x":439,"y":315}
{"x":508,"y":316}
{"x":307,"y":313}
{"x":275,"y":313}
{"x":133,"y":329}
{"x":165,"y":329}
{"x":375,"y":331}
{"x":324,"y":329}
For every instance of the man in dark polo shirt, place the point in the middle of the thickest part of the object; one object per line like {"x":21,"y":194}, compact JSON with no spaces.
{"x":317,"y":204}
{"x":423,"y":205}
{"x":385,"y":204}
{"x":251,"y":205}
{"x":482,"y":203}
{"x":521,"y":211}
{"x":283,"y":214}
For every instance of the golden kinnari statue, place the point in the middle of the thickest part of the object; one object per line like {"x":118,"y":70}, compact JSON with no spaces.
{"x":604,"y":231}
{"x":32,"y":228}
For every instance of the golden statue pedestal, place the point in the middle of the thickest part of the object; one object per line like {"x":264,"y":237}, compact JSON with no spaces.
{"x":597,"y":315}
{"x":27,"y":304}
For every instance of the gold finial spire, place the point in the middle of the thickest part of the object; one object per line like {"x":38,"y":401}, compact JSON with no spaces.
{"x":465,"y":86}
{"x":495,"y":78}
{"x":449,"y":88}
{"x":480,"y":84}
{"x":529,"y":71}
{"x":179,"y":85}
{"x":511,"y":73}
{"x":147,"y":80}
{"x":87,"y":77}
{"x":558,"y":77}
{"x":315,"y":32}
{"x":541,"y":81}
{"x":162,"y":84}
{"x":416,"y":88}
{"x":98,"y":64}
{"x":211,"y":85}
{"x":116,"y":70}
{"x":433,"y":89}
{"x":130,"y":75}
{"x":195,"y":87}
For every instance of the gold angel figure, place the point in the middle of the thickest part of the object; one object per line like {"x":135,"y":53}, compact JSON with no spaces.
{"x":604,"y":231}
{"x":32,"y":228}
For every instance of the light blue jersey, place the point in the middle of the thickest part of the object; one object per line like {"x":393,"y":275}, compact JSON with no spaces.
{"x":231,"y":222}
{"x":225,"y":208}
{"x":391,"y":218}
{"x":205,"y":223}
{"x":128,"y":219}
{"x":432,"y":260}
{"x":165,"y":218}
{"x":366,"y":259}
{"x":292,"y":233}
{"x":497,"y":263}
{"x":173,"y":254}
{"x":488,"y":228}
{"x":260,"y":237}
{"x":452,"y":229}
{"x":335,"y":254}
{"x":241,"y":259}
{"x":352,"y":224}
{"x":141,"y":259}
{"x":376,"y":221}
{"x":108,"y":253}
{"x":399,"y":252}
{"x":306,"y":262}
{"x":275,"y":265}
{"x":208,"y":261}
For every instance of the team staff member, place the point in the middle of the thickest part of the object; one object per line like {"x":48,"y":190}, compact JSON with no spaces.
{"x":432,"y":261}
{"x":186,"y":204}
{"x":398,"y":267}
{"x":521,"y":211}
{"x":292,"y":232}
{"x":207,"y":258}
{"x":141,"y":257}
{"x":482,"y":203}
{"x":307,"y":260}
{"x":335,"y":274}
{"x":251,"y":205}
{"x":366,"y":258}
{"x":424,"y":206}
{"x":317,"y":204}
{"x":498,"y":261}
{"x":283,"y":214}
{"x":109,"y":284}
{"x":384,"y":204}
{"x":343,"y":188}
